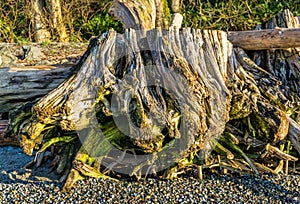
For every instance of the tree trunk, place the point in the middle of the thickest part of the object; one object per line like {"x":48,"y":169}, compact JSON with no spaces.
{"x":41,"y":34}
{"x":40,"y":20}
{"x":151,"y":100}
{"x":57,"y":20}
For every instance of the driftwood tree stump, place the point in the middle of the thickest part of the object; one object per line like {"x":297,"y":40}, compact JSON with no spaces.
{"x":153,"y":101}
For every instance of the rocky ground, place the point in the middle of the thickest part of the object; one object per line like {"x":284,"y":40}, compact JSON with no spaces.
{"x":40,"y":54}
{"x":20,"y":185}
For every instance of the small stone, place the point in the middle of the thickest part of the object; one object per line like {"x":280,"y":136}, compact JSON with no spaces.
{"x":32,"y":52}
{"x":43,"y":62}
{"x":64,"y":61}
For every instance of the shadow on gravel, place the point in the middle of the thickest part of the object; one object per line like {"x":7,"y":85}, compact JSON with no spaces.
{"x":247,"y":188}
{"x":12,"y":162}
{"x":279,"y":188}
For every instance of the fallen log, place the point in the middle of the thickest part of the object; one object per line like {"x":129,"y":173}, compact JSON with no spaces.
{"x":19,"y":85}
{"x":278,"y":38}
{"x":273,"y":34}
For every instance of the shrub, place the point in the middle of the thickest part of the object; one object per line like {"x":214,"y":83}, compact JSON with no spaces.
{"x":14,"y":20}
{"x":233,"y":14}
{"x":84,"y":20}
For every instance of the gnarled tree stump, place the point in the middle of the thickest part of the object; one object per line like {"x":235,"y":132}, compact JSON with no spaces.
{"x":150,"y":100}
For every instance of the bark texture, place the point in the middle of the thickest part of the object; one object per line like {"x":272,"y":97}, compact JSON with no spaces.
{"x":277,"y":38}
{"x":57,"y":20}
{"x":41,"y":34}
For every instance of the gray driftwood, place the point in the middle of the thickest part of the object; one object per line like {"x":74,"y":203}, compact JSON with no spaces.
{"x":25,"y":84}
{"x":278,"y":38}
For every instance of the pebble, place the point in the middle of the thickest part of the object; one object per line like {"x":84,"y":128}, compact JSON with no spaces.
{"x":18,"y":187}
{"x":212,"y":189}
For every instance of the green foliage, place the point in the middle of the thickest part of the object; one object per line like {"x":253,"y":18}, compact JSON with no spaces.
{"x":167,"y":10}
{"x":233,"y":14}
{"x":5,"y":30}
{"x":100,"y":23}
{"x":14,"y":22}
{"x":87,"y":18}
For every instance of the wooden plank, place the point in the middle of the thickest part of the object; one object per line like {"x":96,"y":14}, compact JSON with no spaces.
{"x":278,"y":38}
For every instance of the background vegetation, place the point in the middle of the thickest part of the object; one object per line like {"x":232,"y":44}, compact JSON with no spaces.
{"x":233,"y":14}
{"x":85,"y":18}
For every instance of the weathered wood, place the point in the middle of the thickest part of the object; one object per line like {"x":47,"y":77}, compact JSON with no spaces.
{"x":207,"y":61}
{"x":278,"y":38}
{"x":294,"y":134}
{"x":283,"y":65}
{"x":25,"y":84}
{"x":18,"y":85}
{"x":7,"y":140}
{"x":276,"y":76}
{"x":168,"y":118}
{"x":139,"y":15}
{"x":270,"y":34}
{"x":162,"y":96}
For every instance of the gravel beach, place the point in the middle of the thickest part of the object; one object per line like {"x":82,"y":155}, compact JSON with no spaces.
{"x":38,"y":186}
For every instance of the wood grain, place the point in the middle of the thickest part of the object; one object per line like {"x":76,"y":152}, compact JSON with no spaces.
{"x":19,"y":85}
{"x":278,"y":38}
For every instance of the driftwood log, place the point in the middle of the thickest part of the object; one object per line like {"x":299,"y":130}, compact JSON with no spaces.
{"x":153,"y":101}
{"x":21,"y":85}
{"x":26,"y":84}
{"x":278,"y":38}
